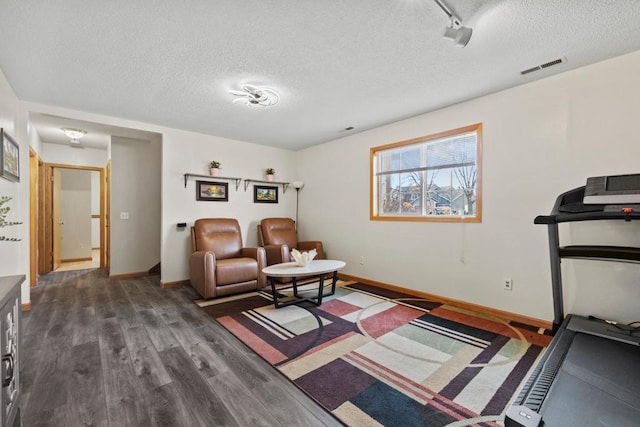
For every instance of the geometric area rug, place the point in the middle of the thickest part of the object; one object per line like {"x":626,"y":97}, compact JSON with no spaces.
{"x":374,"y":357}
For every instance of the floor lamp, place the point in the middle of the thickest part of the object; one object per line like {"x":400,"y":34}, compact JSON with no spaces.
{"x":297,"y":185}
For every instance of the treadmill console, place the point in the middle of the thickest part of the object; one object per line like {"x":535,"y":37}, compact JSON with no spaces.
{"x":612,"y":190}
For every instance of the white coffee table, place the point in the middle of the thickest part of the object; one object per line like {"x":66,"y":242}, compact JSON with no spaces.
{"x":319,"y":267}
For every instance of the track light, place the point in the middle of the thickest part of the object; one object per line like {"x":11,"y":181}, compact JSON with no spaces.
{"x":460,"y":35}
{"x":456,"y":32}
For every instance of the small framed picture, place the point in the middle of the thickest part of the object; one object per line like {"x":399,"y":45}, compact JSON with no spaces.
{"x":9,"y":158}
{"x":212,"y":191}
{"x":265,"y":194}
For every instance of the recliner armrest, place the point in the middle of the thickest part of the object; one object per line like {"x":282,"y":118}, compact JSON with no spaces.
{"x":253,"y":252}
{"x":202,"y":270}
{"x":259,"y":254}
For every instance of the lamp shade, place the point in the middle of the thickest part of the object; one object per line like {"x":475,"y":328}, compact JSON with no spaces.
{"x":297,"y":184}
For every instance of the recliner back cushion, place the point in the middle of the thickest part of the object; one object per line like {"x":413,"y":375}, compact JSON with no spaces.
{"x":279,"y":231}
{"x":222,"y":236}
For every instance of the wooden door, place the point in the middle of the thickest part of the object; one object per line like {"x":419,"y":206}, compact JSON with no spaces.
{"x":57,"y":218}
{"x":33,"y":217}
{"x":107,"y":218}
{"x":44,"y":252}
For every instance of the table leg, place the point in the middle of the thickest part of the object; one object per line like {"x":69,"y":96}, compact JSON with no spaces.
{"x":272,"y":282}
{"x":333,"y":284}
{"x":299,"y":299}
{"x":320,"y":289}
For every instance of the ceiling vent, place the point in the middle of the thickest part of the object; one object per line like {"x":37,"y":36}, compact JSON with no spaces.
{"x":543,"y":66}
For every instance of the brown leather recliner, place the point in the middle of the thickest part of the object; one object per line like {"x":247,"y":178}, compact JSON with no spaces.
{"x":279,"y":237}
{"x":219,"y":265}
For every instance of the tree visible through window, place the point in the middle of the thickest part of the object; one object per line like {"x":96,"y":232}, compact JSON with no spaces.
{"x":435,"y":177}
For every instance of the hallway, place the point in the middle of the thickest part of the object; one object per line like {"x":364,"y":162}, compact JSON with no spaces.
{"x":81,"y":265}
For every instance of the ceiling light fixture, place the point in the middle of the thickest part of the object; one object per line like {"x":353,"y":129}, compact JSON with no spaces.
{"x":455,"y":31}
{"x":255,"y":96}
{"x":74,"y":134}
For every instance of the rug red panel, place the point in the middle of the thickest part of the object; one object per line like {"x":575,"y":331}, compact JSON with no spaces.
{"x":388,"y":320}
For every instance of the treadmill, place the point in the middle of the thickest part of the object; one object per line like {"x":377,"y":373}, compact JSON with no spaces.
{"x":590,"y":373}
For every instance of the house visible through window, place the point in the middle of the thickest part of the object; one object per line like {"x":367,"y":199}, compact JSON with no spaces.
{"x":431,"y":178}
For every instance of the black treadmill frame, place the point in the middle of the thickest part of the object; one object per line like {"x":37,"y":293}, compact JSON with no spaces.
{"x":569,"y":207}
{"x":574,"y":199}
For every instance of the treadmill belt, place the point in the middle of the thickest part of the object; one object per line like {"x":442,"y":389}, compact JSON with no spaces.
{"x":598,"y":384}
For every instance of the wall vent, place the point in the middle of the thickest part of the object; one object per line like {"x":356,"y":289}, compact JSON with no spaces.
{"x":543,"y":66}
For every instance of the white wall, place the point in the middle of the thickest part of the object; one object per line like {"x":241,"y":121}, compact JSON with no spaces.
{"x":135,"y":190}
{"x":188,"y":152}
{"x":185,"y":152}
{"x":34,"y":140}
{"x":14,"y":256}
{"x":540,"y":139}
{"x":67,"y":155}
{"x":76,"y":214}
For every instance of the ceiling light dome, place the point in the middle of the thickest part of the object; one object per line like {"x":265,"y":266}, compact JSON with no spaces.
{"x":74,"y":133}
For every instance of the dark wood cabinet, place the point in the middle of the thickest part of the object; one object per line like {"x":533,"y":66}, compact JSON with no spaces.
{"x":10,"y":307}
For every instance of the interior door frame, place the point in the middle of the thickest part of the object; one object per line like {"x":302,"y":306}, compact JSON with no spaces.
{"x":106,"y":254}
{"x":56,"y":218}
{"x":34,"y":162}
{"x":48,"y":211}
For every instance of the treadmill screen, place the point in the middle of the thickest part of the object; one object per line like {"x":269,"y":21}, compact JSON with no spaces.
{"x":623,"y":183}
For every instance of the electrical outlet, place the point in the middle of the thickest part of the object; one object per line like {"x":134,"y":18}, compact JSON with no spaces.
{"x":361,"y":260}
{"x":507,"y":284}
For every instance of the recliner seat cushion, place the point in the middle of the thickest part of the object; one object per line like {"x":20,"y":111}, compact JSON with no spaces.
{"x":235,"y":270}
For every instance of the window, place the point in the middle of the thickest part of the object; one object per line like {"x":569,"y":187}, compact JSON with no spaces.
{"x":431,"y":178}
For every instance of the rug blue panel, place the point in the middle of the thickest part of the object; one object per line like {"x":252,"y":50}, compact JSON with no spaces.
{"x":389,"y":407}
{"x":322,"y":385}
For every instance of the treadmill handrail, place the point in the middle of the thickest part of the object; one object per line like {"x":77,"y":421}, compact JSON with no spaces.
{"x":556,"y":252}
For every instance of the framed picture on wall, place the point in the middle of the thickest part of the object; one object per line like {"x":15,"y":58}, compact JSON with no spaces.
{"x":9,"y":158}
{"x":212,"y":191}
{"x":265,"y":194}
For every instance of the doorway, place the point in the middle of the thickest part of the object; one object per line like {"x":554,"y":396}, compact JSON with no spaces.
{"x":76,"y":213}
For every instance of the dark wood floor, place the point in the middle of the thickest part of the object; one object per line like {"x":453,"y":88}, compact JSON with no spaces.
{"x":97,"y":352}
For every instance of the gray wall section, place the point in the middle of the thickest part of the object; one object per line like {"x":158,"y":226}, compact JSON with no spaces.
{"x":135,"y":191}
{"x":76,"y":214}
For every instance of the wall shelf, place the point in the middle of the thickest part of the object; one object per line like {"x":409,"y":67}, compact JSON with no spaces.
{"x":249,"y":181}
{"x":212,"y":178}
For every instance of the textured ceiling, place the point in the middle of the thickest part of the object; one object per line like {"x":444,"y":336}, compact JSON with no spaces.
{"x":338,"y":63}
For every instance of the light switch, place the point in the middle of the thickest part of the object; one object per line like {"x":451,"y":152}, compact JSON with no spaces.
{"x":124,"y":215}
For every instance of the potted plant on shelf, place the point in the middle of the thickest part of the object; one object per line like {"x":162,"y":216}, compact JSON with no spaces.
{"x":270,"y":173}
{"x":214,"y":168}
